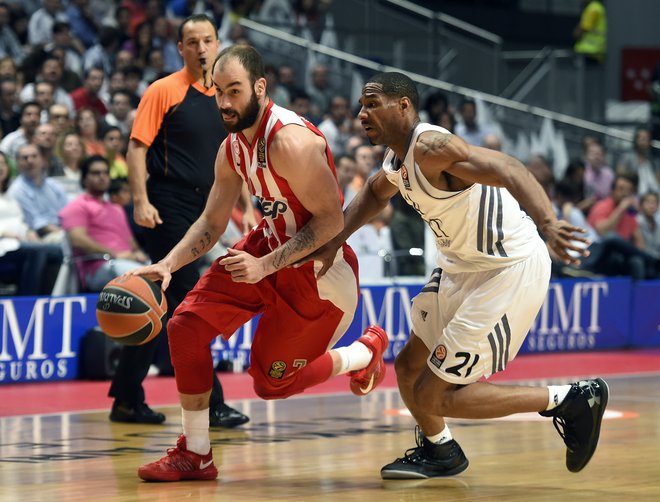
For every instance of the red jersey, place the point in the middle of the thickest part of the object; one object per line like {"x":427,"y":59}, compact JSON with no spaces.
{"x":284,"y":215}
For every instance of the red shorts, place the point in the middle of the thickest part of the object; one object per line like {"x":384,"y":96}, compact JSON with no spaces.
{"x":301,"y":318}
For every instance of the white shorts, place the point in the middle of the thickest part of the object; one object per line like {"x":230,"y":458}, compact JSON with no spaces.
{"x":475,"y":323}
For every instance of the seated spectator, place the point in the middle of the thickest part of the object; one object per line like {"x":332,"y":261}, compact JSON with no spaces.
{"x":574,"y":174}
{"x":120,"y":193}
{"x":120,"y":113}
{"x":72,"y":49}
{"x":649,"y":223}
{"x":448,"y":121}
{"x":640,"y":160}
{"x":468,"y":128}
{"x":101,"y":55}
{"x":336,"y":127}
{"x":164,"y":39}
{"x":278,"y":93}
{"x":372,"y":244}
{"x":614,"y":219}
{"x":30,"y":118}
{"x":140,"y":44}
{"x":10,"y":115}
{"x":319,"y":90}
{"x":365,"y":156}
{"x":87,"y":96}
{"x":51,"y":70}
{"x":540,"y":168}
{"x":96,"y":226}
{"x":87,"y":126}
{"x":435,"y":105}
{"x":41,"y":198}
{"x":58,"y":115}
{"x":36,"y":263}
{"x":134,"y":84}
{"x":608,"y":255}
{"x":44,"y":94}
{"x":83,"y":25}
{"x":70,"y":149}
{"x":42,"y":21}
{"x":10,"y":44}
{"x":113,"y":142}
{"x":45,"y":139}
{"x":346,"y":170}
{"x":301,"y":103}
{"x":598,"y":177}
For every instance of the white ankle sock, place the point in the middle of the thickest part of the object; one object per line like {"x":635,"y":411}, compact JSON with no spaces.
{"x":354,"y":357}
{"x":441,"y":438}
{"x":557,"y":393}
{"x":196,"y":430}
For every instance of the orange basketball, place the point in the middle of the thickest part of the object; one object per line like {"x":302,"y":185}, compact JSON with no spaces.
{"x":131,"y":310}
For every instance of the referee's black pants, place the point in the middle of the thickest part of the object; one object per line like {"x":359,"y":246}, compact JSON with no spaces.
{"x":178,"y":207}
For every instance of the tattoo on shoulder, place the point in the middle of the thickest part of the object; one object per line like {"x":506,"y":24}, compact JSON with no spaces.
{"x":434,"y":144}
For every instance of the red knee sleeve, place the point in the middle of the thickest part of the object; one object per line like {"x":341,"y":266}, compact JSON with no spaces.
{"x":190,"y":339}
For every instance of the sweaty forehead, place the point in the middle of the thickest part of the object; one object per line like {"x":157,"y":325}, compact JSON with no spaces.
{"x":371,"y":88}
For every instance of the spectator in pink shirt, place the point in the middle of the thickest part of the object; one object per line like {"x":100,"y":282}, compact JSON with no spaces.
{"x":97,"y":226}
{"x":598,"y":177}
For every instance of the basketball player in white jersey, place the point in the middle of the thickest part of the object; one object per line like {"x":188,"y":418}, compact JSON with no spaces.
{"x":287,"y":163}
{"x":471,"y":318}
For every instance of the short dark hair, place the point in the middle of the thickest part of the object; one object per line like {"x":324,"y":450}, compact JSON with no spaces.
{"x":397,"y":85}
{"x":629,"y":176}
{"x":86,"y":164}
{"x":249,"y":58}
{"x":650,"y":193}
{"x":196,"y":18}
{"x":27,"y":105}
{"x":116,"y":184}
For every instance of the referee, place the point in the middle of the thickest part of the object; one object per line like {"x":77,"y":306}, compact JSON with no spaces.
{"x":174,"y":141}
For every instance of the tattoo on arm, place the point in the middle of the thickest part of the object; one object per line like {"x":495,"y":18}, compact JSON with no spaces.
{"x":305,"y":240}
{"x":204,"y":244}
{"x":435,"y":144}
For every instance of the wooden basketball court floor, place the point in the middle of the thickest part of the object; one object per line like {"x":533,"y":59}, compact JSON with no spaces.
{"x":331,"y":447}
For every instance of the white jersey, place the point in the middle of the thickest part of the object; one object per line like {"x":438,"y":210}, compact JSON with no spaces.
{"x":479,"y":228}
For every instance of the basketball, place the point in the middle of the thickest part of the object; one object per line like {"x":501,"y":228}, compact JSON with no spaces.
{"x":131,"y":310}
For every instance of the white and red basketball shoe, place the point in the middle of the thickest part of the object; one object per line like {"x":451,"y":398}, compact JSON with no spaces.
{"x":367,"y":379}
{"x":179,"y":465}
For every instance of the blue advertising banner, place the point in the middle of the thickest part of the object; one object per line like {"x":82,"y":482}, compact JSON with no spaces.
{"x":41,"y":335}
{"x":580,"y":315}
{"x":645,"y":329}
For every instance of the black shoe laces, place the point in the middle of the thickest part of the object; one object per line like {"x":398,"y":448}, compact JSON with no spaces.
{"x":413,"y":454}
{"x":567,"y":432}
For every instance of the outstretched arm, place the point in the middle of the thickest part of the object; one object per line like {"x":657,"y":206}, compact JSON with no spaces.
{"x":436,"y":152}
{"x":369,"y":201}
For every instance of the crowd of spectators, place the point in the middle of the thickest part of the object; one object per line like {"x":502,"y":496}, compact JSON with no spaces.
{"x":72,"y":73}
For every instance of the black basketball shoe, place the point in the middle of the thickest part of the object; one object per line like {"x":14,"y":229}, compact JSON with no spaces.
{"x":427,"y":460}
{"x":578,"y":419}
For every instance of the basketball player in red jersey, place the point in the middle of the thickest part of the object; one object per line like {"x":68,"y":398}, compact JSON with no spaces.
{"x":286,"y":162}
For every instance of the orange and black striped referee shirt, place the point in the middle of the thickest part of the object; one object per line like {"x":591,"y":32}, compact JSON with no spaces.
{"x":178,"y":120}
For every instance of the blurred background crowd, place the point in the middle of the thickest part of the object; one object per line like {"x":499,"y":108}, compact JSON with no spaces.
{"x":72,"y":73}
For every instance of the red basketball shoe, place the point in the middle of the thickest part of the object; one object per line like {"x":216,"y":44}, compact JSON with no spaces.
{"x":367,"y":379}
{"x":180,"y":464}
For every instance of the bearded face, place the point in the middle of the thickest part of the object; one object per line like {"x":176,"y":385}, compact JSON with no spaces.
{"x":239,"y":120}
